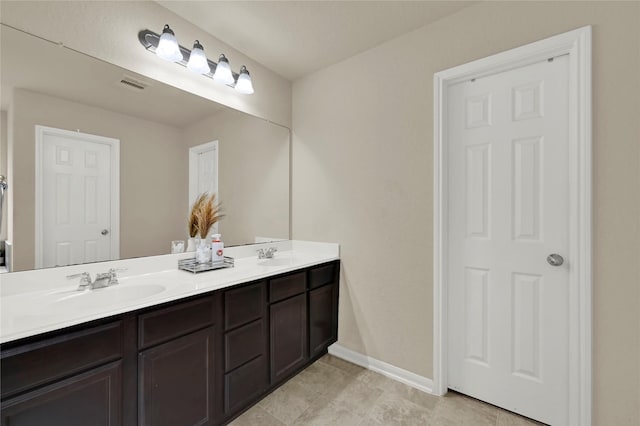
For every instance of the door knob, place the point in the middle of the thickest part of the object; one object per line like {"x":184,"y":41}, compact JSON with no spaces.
{"x":555,"y":259}
{"x":104,"y":231}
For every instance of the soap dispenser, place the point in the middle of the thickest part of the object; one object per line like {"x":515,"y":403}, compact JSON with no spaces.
{"x":217,"y":249}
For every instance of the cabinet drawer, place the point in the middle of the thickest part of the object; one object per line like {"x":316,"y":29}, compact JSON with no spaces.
{"x":165,"y":324}
{"x":244,"y":304}
{"x":322,"y":275}
{"x":35,"y":364}
{"x":243,"y":385}
{"x":243,"y":344}
{"x":290,"y":285}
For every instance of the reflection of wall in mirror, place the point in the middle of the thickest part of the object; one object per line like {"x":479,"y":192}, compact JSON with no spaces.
{"x":153,"y":165}
{"x":253,"y":196}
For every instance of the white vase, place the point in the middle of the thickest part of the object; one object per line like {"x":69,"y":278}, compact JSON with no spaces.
{"x":203,"y":252}
{"x":192,"y":243}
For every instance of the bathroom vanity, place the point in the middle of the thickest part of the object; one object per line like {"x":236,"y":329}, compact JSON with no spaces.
{"x":201,"y":358}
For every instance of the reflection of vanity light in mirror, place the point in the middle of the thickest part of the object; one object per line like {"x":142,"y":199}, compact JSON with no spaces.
{"x":166,"y":47}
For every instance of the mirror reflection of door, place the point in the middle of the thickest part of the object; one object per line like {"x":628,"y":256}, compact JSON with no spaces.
{"x":76,"y":198}
{"x":203,"y":172}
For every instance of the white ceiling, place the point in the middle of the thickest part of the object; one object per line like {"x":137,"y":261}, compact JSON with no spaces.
{"x":64,"y":73}
{"x":296,"y":38}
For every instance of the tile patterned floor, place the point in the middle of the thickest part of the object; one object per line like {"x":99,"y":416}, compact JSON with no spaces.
{"x":335,"y":392}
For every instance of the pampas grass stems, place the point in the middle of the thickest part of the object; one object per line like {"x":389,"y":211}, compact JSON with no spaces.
{"x":205,"y":212}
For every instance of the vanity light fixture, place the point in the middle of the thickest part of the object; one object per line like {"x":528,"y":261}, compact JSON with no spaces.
{"x":244,"y":82}
{"x":198,"y":60}
{"x":223,"y":71}
{"x":166,"y":47}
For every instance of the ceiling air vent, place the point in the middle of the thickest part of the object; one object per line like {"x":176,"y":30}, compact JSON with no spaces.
{"x":132,"y":83}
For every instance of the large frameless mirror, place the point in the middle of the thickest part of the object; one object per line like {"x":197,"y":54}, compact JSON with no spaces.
{"x":103,"y":163}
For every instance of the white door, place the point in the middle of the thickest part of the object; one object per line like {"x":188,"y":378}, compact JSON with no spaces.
{"x":75,"y":198}
{"x":508,"y":211}
{"x":203,"y":172}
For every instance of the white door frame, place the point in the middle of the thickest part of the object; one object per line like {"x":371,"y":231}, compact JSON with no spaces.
{"x":577,"y":44}
{"x":41,"y":131}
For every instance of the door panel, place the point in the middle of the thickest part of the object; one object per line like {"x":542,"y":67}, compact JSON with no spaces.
{"x":76,"y":199}
{"x":508,"y":204}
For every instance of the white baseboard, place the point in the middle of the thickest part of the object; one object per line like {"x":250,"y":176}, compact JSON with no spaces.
{"x":391,"y":371}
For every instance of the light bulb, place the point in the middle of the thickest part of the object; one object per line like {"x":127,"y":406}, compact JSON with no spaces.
{"x":168,"y":48}
{"x":198,"y":60}
{"x":244,"y":85}
{"x":223,"y":71}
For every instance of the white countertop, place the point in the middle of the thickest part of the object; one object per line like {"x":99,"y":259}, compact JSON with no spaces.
{"x":34,"y":302}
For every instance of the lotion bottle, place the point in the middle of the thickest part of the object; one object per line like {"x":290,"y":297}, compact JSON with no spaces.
{"x":217,"y":249}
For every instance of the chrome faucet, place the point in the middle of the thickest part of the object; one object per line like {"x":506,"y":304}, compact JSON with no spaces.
{"x":105,"y":279}
{"x":85,"y":280}
{"x":113,"y":275}
{"x":267,"y":253}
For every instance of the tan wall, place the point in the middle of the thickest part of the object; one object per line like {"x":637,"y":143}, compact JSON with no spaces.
{"x":362,"y":176}
{"x":153,"y":173}
{"x":255,"y":195}
{"x":3,"y":169}
{"x":108,"y":30}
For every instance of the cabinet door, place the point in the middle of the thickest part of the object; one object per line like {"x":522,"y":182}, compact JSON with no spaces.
{"x":323,"y":318}
{"x":176,"y":381}
{"x":91,"y":398}
{"x":289,"y":344}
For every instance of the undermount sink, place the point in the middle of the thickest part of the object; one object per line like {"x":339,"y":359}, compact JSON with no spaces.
{"x":276,"y":261}
{"x":107,"y":296}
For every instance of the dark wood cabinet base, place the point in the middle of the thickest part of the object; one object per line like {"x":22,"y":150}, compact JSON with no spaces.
{"x":199,"y":361}
{"x":94,"y":397}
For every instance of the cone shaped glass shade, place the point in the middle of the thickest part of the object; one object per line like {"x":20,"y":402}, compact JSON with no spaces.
{"x":244,"y":85}
{"x":223,"y":71}
{"x":198,"y":60}
{"x":168,"y":48}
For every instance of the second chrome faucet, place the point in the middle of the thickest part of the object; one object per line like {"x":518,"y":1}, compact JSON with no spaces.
{"x":266,"y":253}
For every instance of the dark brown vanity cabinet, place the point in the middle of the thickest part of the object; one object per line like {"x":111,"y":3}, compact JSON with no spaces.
{"x":176,"y":365}
{"x":75,"y":378}
{"x":200,"y":361}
